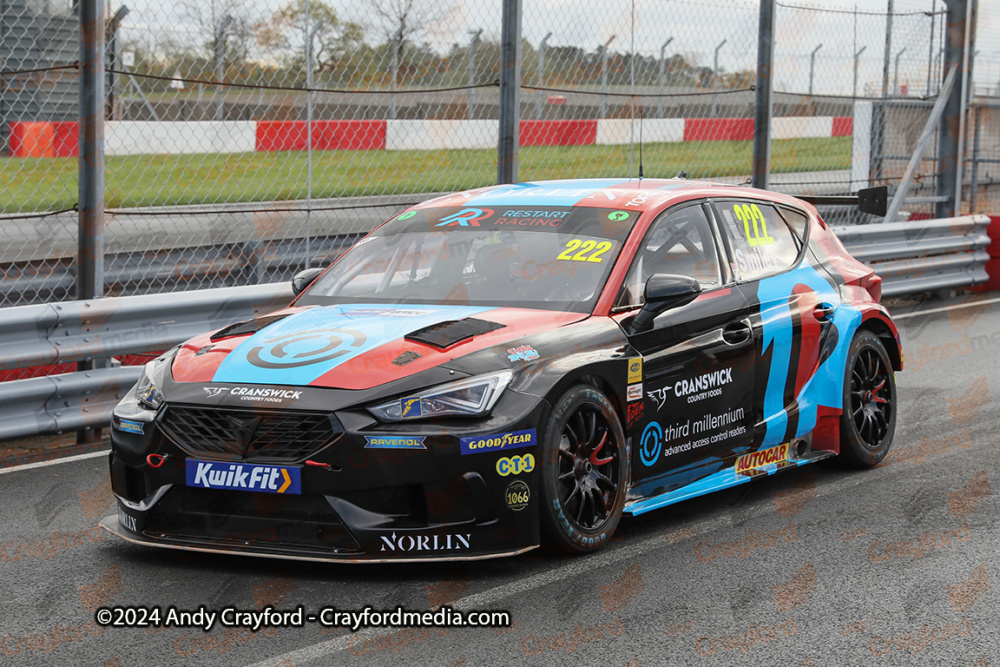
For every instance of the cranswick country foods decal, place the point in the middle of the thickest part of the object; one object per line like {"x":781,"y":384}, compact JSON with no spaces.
{"x":498,"y":442}
{"x":303,"y":347}
{"x":242,"y":477}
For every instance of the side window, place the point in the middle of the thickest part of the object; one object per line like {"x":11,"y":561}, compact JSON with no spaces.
{"x":680,"y":242}
{"x":762,"y":243}
{"x":797,"y":220}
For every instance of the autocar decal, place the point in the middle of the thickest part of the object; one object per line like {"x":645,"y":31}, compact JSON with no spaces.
{"x":301,"y":348}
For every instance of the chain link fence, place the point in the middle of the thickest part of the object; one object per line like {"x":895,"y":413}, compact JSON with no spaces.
{"x":245,"y":141}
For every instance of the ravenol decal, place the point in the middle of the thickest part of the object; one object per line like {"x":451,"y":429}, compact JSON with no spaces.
{"x":409,"y":408}
{"x":243,"y":477}
{"x":635,"y":370}
{"x":467,"y":217}
{"x":303,"y":347}
{"x":498,"y":442}
{"x":651,"y":443}
{"x":515,"y":465}
{"x":129,"y":426}
{"x":751,"y":464}
{"x":394,"y":442}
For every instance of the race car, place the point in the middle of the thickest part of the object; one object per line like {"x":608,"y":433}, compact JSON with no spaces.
{"x":514,"y":366}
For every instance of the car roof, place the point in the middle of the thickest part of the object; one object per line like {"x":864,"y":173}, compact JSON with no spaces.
{"x":632,"y":194}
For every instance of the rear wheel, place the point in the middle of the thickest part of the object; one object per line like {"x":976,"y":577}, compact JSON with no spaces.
{"x":584,"y":472}
{"x":869,"y":418}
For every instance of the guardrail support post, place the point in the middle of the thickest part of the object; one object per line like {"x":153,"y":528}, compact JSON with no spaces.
{"x":510,"y":92}
{"x":762,"y":110}
{"x":957,"y":41}
{"x":90,"y":248}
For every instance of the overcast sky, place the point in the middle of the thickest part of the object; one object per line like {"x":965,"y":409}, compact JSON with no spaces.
{"x":696,"y":26}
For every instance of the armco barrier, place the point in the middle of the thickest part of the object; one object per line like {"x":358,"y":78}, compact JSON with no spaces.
{"x":911,"y":257}
{"x":924,"y":255}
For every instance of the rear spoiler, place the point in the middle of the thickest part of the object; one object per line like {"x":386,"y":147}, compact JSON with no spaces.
{"x":868,"y":200}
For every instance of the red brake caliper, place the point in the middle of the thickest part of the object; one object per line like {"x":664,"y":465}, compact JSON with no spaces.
{"x":594,"y":461}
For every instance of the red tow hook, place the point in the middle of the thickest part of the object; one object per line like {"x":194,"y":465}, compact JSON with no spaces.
{"x":318,"y":464}
{"x":156,"y":460}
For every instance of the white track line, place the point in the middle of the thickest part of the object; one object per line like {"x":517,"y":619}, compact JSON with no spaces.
{"x":44,"y":464}
{"x":945,"y":309}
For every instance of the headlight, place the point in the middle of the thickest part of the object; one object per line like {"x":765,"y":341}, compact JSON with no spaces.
{"x":469,"y":397}
{"x":147,"y":389}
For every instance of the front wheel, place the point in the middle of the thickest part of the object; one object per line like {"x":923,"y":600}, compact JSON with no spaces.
{"x":869,"y":418}
{"x":584,"y":472}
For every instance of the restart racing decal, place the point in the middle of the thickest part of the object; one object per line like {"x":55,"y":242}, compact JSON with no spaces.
{"x":242,"y":477}
{"x":754,"y":463}
{"x":498,"y":442}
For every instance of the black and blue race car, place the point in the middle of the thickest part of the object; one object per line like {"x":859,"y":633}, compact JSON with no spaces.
{"x":510,"y":367}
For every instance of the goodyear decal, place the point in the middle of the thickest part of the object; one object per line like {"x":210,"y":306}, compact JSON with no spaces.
{"x":394,"y":442}
{"x":751,"y":464}
{"x":550,"y":193}
{"x":410,"y":408}
{"x":303,"y":347}
{"x":242,"y":477}
{"x":498,"y":442}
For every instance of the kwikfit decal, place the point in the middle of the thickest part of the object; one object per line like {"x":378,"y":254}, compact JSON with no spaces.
{"x":242,"y":477}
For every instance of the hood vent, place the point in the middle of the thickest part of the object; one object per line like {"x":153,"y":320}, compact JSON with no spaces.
{"x":248,"y":326}
{"x":445,"y":334}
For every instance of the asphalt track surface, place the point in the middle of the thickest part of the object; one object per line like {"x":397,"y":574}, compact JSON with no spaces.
{"x":821,"y":566}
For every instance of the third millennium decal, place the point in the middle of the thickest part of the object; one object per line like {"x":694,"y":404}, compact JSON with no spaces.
{"x":498,"y":442}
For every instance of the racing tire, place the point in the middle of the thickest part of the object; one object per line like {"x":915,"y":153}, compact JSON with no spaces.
{"x":584,"y":472}
{"x":868,"y":421}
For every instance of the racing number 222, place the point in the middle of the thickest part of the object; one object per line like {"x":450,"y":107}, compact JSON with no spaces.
{"x":584,"y":247}
{"x":751,"y":213}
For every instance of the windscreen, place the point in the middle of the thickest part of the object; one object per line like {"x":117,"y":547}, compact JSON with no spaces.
{"x":554,"y":258}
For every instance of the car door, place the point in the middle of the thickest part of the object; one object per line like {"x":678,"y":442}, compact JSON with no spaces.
{"x":697,"y":359}
{"x":792,"y":306}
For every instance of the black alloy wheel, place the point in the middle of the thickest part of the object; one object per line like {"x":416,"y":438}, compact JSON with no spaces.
{"x":869,"y":419}
{"x":584,"y":472}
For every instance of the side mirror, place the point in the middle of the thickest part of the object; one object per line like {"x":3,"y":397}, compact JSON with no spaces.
{"x":303,"y":279}
{"x":664,"y":291}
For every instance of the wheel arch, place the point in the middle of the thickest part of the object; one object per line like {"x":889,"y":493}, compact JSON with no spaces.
{"x":880,"y":325}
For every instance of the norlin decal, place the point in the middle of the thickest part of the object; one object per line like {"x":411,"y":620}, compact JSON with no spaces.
{"x":445,"y":542}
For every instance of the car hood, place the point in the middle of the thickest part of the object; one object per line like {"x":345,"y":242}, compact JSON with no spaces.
{"x":355,"y":346}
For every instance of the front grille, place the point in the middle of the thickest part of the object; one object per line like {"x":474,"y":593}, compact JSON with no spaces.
{"x":249,"y":435}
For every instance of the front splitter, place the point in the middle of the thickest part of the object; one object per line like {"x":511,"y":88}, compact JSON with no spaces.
{"x":110,"y":524}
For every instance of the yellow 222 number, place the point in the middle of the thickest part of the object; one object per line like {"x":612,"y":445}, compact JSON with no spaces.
{"x":576,"y":251}
{"x":749,"y":214}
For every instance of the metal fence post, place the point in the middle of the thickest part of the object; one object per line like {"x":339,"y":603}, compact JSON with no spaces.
{"x":540,"y":75}
{"x":220,"y":65}
{"x":715,"y":76}
{"x":879,"y":109}
{"x":510,"y":92}
{"x":949,"y":134}
{"x":762,"y":110}
{"x":469,"y":113}
{"x":663,"y":75}
{"x":90,"y":257}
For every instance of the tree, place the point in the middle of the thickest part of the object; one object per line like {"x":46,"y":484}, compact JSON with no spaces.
{"x":284,"y":32}
{"x":208,"y":15}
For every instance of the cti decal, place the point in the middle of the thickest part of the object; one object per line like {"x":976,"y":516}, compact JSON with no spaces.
{"x":467,"y":217}
{"x":242,"y":477}
{"x":515,"y":465}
